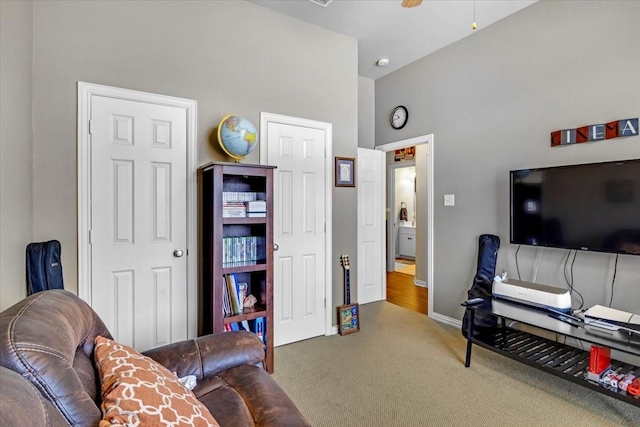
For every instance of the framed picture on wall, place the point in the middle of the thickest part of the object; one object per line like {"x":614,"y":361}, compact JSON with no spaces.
{"x":345,"y":172}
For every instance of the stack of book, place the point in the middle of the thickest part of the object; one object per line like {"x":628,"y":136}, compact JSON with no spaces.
{"x":256,"y":208}
{"x":234,"y":210}
{"x":239,"y":196}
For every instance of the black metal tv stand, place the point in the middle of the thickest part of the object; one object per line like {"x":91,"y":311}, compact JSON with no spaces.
{"x":551,"y":356}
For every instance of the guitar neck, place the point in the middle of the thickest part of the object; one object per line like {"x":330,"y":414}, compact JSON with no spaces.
{"x":347,"y":279}
{"x":347,"y":286}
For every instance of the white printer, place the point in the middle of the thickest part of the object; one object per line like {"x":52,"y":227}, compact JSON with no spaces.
{"x":534,"y":294}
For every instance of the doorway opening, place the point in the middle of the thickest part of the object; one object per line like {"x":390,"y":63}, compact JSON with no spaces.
{"x":414,"y":290}
{"x":402,"y":217}
{"x":401,"y":270}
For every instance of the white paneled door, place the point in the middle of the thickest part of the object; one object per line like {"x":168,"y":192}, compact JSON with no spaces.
{"x":371,"y":228}
{"x":138,"y":220}
{"x":299,"y":221}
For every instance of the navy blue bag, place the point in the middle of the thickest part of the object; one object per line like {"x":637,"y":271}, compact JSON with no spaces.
{"x":483,"y":280}
{"x":44,"y":268}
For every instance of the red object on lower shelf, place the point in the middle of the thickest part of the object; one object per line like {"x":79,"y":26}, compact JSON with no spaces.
{"x":600,"y":359}
{"x":634,"y":387}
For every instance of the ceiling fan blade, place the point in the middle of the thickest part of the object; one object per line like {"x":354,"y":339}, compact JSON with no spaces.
{"x":411,"y":3}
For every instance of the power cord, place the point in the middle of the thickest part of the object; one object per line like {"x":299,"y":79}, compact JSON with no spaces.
{"x":566,"y":260}
{"x":613,"y":281}
{"x":517,"y":267}
{"x":575,"y":254}
{"x":569,"y":280}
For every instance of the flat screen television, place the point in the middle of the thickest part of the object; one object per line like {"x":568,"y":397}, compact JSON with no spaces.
{"x":593,"y":207}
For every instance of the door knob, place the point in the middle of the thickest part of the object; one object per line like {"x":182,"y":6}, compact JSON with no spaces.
{"x":275,"y":247}
{"x":178,"y":253}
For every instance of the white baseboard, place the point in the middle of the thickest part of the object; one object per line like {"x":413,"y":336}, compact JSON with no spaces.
{"x":446,"y":319}
{"x":420,"y":283}
{"x":334,"y":329}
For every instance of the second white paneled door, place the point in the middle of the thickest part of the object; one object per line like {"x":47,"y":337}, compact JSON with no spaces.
{"x":138,"y":220}
{"x":371,"y":262}
{"x":299,"y":230}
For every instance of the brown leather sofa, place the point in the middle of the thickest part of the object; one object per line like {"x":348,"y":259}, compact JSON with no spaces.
{"x":48,"y":375}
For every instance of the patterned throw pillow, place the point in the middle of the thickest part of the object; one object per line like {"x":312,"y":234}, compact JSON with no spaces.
{"x":137,"y":391}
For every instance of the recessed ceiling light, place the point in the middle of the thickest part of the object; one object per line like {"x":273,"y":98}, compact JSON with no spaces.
{"x":382,"y":62}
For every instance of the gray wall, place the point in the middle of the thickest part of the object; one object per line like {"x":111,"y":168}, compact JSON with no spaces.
{"x":366,"y":112}
{"x":491,"y":101}
{"x":16,"y":147}
{"x":230,"y":56}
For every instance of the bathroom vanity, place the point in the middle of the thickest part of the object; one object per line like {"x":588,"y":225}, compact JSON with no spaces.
{"x":407,"y":241}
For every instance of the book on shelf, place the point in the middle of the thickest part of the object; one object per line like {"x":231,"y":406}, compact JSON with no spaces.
{"x":256,"y":206}
{"x":243,"y":250}
{"x":242,"y":292}
{"x":234,"y":214}
{"x":234,"y":207}
{"x":239,"y":196}
{"x":238,"y":326}
{"x":234,"y":210}
{"x":234,"y":294}
{"x":257,"y":326}
{"x":256,"y":214}
{"x":226,"y":303}
{"x":236,"y":307}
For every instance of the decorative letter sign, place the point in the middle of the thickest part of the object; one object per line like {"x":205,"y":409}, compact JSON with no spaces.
{"x":617,"y":129}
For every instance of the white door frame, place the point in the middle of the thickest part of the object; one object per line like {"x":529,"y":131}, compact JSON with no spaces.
{"x":85,"y":92}
{"x":418,"y":140}
{"x":266,"y":118}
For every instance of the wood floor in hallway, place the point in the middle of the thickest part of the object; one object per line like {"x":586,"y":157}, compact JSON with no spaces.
{"x":403,"y":292}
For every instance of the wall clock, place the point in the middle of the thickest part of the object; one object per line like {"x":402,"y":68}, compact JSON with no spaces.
{"x":399,"y":117}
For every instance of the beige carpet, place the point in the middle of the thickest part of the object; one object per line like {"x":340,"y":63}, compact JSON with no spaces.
{"x":403,"y":369}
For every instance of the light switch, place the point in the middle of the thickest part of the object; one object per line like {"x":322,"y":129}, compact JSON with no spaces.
{"x":449,"y":200}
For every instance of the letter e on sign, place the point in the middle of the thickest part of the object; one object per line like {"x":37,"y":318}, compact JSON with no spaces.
{"x":596,"y":132}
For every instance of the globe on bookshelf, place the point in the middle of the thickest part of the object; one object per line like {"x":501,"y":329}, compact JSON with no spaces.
{"x":237,"y":136}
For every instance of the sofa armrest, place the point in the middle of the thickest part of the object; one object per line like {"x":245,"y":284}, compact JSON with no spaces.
{"x":22,"y":404}
{"x":210,"y":354}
